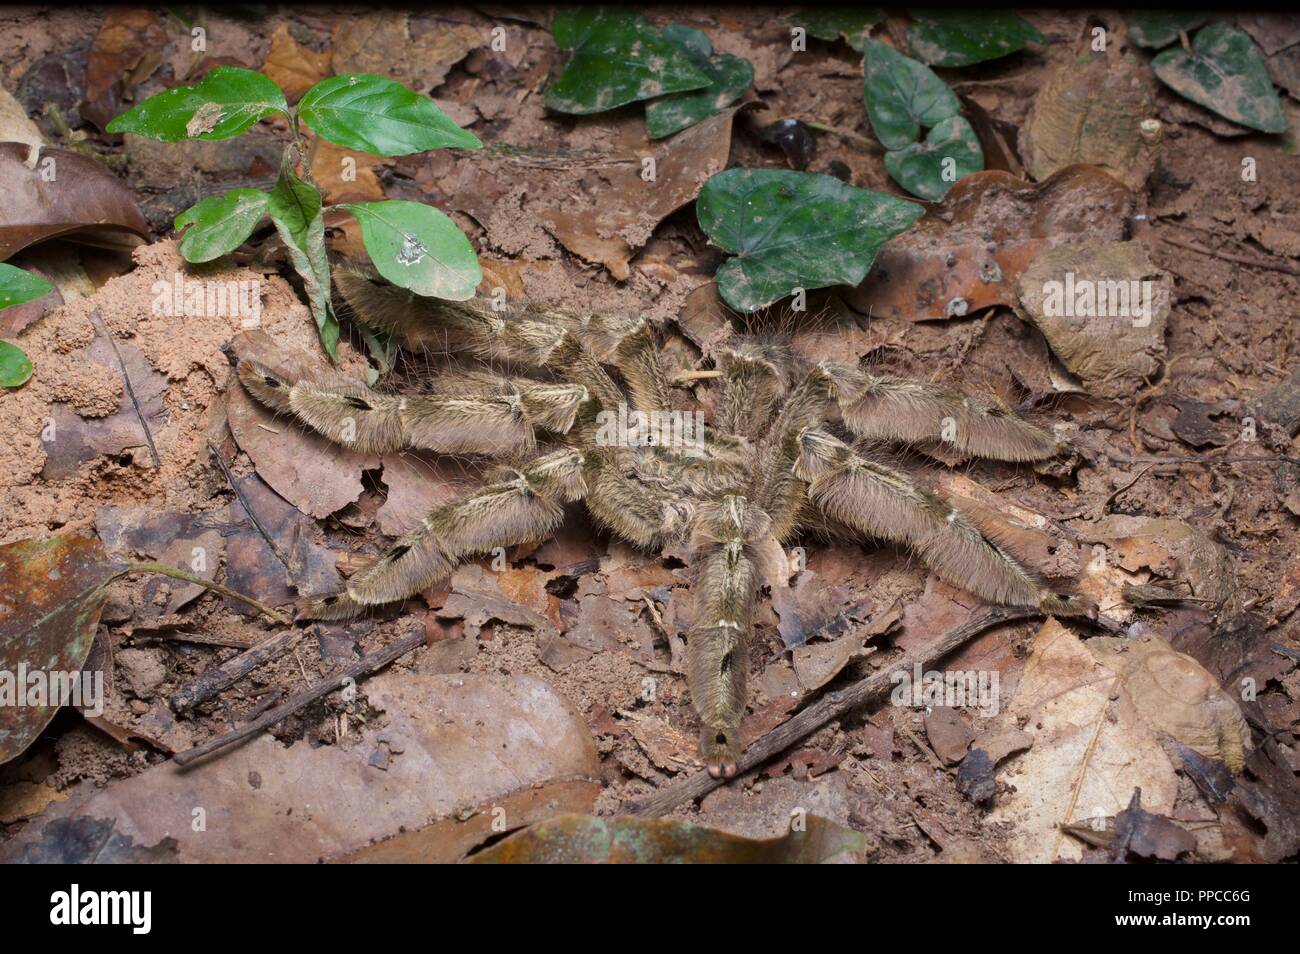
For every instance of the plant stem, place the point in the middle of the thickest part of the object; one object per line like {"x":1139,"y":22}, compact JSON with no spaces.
{"x":176,"y":573}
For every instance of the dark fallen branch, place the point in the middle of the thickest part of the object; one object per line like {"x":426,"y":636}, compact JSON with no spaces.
{"x":359,"y":668}
{"x":828,"y":707}
{"x":130,"y":391}
{"x":215,"y":679}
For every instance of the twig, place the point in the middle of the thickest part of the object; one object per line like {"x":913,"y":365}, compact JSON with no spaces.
{"x":176,"y":573}
{"x":130,"y":391}
{"x":215,"y":679}
{"x":830,"y":706}
{"x":243,"y":502}
{"x":1248,"y":260}
{"x":359,"y":668}
{"x":683,"y":378}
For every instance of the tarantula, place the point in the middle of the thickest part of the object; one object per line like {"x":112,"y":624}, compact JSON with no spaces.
{"x":777,"y":459}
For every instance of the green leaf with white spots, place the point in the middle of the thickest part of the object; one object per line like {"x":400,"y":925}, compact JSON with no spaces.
{"x":1226,"y":74}
{"x":18,"y":287}
{"x":380,"y":116}
{"x":415,"y":246}
{"x":831,"y":23}
{"x":220,"y":224}
{"x":15,"y":366}
{"x":730,"y":77}
{"x":295,"y":208}
{"x":928,"y":169}
{"x":225,"y":103}
{"x":618,"y":58}
{"x":789,"y":230}
{"x":1157,"y":30}
{"x":958,"y":38}
{"x":903,"y":96}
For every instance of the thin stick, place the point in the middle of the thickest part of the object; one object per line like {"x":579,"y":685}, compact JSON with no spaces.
{"x":1248,"y":260}
{"x":359,"y":668}
{"x":243,"y":502}
{"x":216,"y":679}
{"x":828,"y":707}
{"x":130,"y":391}
{"x":176,"y":573}
{"x":848,"y":135}
{"x":685,"y":377}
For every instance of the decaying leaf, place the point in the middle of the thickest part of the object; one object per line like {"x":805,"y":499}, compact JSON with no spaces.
{"x":383,"y":42}
{"x":129,"y":42}
{"x":609,"y":227}
{"x":1172,"y":550}
{"x":1091,"y":111}
{"x":293,"y":67}
{"x":1103,"y":310}
{"x":50,"y":601}
{"x":82,"y":201}
{"x":457,"y":746}
{"x":969,"y":251}
{"x":585,"y":839}
{"x":1088,"y":754}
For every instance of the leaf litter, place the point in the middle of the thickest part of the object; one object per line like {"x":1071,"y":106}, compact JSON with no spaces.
{"x":611,"y":623}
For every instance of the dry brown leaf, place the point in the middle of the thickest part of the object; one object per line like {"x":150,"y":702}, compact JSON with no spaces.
{"x":969,"y":250}
{"x":455,"y":745}
{"x":345,"y":175}
{"x":1114,"y":354}
{"x":84,"y":202}
{"x":123,"y":40}
{"x":1088,"y":754}
{"x":381,"y":42}
{"x":292,"y":66}
{"x":609,"y":227}
{"x":1091,"y":111}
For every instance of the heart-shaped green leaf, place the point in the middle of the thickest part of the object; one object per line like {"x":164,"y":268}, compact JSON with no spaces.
{"x":1156,"y":30}
{"x":903,"y":96}
{"x":374,"y":114}
{"x":18,"y":287}
{"x":729,"y":78}
{"x":958,"y":38}
{"x":929,"y":169}
{"x":295,"y":208}
{"x":618,"y":58}
{"x":15,"y":366}
{"x":223,"y":104}
{"x":831,"y":23}
{"x":219,"y":224}
{"x":790,"y":230}
{"x":415,"y":246}
{"x":1226,"y":74}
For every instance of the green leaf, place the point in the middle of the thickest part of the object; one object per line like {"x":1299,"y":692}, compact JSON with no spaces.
{"x":295,"y":208}
{"x":729,"y":78}
{"x":831,"y":23}
{"x":790,"y":230}
{"x":1225,"y":74}
{"x":415,"y":246}
{"x":15,"y":366}
{"x":220,"y":224}
{"x":1156,"y":30}
{"x":223,"y":104}
{"x":922,"y":168}
{"x":374,"y":114}
{"x":618,"y":58}
{"x":903,"y":96}
{"x":956,"y":38}
{"x":18,"y":286}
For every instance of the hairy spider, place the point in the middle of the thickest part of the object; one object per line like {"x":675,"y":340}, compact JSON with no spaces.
{"x":768,"y":466}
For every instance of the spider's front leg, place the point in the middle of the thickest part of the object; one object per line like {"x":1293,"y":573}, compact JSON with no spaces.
{"x":727,"y":542}
{"x":527,"y":505}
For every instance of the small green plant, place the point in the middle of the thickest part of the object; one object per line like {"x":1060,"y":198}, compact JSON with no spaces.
{"x":413,"y":245}
{"x":17,"y":287}
{"x":905,"y":97}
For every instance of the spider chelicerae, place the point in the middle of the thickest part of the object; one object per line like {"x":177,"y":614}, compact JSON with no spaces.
{"x":785,"y":453}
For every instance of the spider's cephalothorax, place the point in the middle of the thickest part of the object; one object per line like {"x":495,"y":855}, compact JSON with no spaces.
{"x":769,"y":465}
